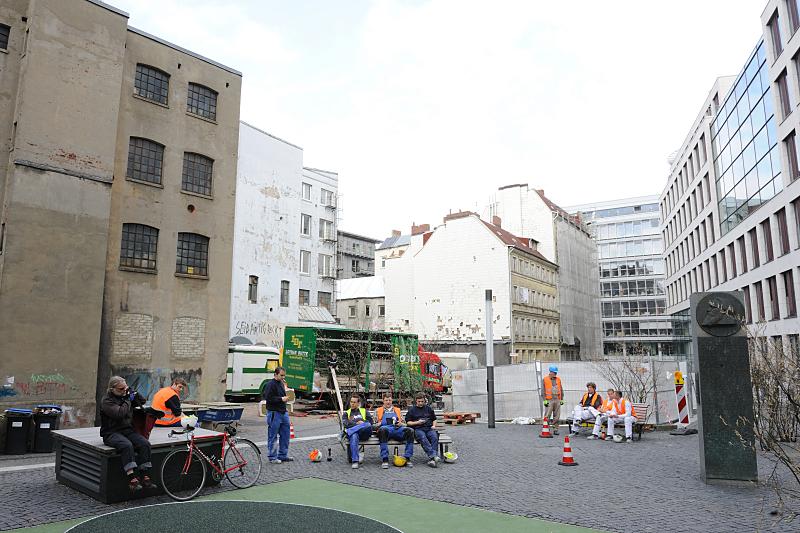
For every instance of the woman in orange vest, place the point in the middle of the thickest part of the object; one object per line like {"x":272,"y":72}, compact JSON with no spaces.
{"x":168,"y":401}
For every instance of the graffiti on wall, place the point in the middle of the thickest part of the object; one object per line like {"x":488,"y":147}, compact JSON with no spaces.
{"x":55,"y":385}
{"x":268,"y":333}
{"x":148,"y":381}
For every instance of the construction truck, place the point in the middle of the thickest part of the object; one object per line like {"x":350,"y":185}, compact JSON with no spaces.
{"x":370,"y":363}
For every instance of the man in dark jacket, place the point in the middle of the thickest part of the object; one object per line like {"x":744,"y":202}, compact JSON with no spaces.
{"x":277,"y":418}
{"x":116,"y":429}
{"x":422,"y":418}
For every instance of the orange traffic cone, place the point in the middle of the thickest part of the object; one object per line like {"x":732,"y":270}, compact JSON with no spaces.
{"x":545,"y":434}
{"x":567,"y":459}
{"x":291,"y":431}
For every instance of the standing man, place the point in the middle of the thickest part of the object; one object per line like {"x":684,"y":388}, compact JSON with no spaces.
{"x":607,"y":409}
{"x":168,"y":401}
{"x":587,"y":409}
{"x":116,"y":429}
{"x":358,"y":426}
{"x":553,"y":398}
{"x":624,"y":414}
{"x":277,"y":418}
{"x":422,"y":418}
{"x":391,"y":426}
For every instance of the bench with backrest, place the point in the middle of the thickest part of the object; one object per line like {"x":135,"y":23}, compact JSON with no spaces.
{"x":642,"y":412}
{"x":444,"y":440}
{"x":86,"y":464}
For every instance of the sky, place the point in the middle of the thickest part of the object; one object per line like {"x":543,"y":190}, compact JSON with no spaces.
{"x":424,"y":107}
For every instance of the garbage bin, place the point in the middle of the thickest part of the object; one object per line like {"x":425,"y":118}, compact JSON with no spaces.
{"x":46,"y":418}
{"x":18,"y":425}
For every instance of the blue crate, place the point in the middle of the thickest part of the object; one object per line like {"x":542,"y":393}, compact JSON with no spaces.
{"x":222,"y":414}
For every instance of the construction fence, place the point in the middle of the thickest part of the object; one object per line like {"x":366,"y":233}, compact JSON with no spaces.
{"x":518,"y":388}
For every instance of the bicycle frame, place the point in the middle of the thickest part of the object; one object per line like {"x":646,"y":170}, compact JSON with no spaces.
{"x":226,"y":442}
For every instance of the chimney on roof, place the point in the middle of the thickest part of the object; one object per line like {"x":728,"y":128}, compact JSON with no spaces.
{"x":496,"y":221}
{"x":533,"y":243}
{"x":459,"y":214}
{"x":422,"y":228}
{"x":396,"y":233}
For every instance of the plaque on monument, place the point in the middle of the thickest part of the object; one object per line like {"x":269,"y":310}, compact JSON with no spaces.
{"x":724,"y":388}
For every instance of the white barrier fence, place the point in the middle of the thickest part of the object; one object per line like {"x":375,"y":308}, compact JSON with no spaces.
{"x":518,"y":388}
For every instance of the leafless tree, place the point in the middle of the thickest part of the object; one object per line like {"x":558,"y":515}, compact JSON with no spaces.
{"x":633,"y":372}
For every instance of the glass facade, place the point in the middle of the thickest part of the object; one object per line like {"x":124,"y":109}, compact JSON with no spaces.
{"x":632,"y":279}
{"x":747,"y":157}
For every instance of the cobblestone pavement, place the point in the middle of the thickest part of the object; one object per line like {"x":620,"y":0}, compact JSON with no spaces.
{"x":652,"y":485}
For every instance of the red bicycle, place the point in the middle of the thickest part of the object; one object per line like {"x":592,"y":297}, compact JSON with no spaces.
{"x":183,"y":472}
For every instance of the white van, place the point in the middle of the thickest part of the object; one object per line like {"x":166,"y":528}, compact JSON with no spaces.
{"x":249,"y":370}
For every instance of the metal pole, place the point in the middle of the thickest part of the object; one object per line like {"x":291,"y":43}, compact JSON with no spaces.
{"x":489,"y":357}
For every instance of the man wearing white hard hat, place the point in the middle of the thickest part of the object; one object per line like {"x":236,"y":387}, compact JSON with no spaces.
{"x":553,"y":397}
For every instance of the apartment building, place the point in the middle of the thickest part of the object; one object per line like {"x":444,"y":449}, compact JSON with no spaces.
{"x":731,"y":207}
{"x":355,"y":255}
{"x":632,"y":276}
{"x":117,"y":207}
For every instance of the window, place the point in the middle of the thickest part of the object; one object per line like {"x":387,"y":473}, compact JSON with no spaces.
{"x":351,"y":312}
{"x":775,"y":34}
{"x":783,"y":93}
{"x":766,"y":232}
{"x":772,"y":283}
{"x":783,"y":231}
{"x":381,"y":310}
{"x":355,"y":265}
{"x":307,"y":191}
{"x":754,"y":245}
{"x":139,"y":247}
{"x":325,"y":229}
{"x":324,"y":299}
{"x":326,"y":197}
{"x":252,"y":289}
{"x":5,"y":31}
{"x":305,"y":260}
{"x":796,"y":208}
{"x":791,"y":302}
{"x":305,"y":297}
{"x":284,"y":293}
{"x":732,"y":255}
{"x":742,"y":253}
{"x":325,"y":265}
{"x":366,"y":310}
{"x":197,"y":170}
{"x":145,"y":160}
{"x":151,"y":84}
{"x":192,"y":254}
{"x":791,"y":150}
{"x":748,"y":318}
{"x":794,"y":16}
{"x":305,"y":225}
{"x":759,"y":300}
{"x":202,"y":101}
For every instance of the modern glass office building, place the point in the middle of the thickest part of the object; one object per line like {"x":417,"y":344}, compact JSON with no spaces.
{"x":632,"y":289}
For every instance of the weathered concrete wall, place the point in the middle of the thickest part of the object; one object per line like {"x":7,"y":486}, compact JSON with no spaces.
{"x":162,"y":322}
{"x":374,"y":321}
{"x":267,"y":235}
{"x":63,"y":92}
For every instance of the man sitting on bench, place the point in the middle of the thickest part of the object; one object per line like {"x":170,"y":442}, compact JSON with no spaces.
{"x":624,"y":414}
{"x":587,"y":409}
{"x":358,"y":426}
{"x":116,"y":429}
{"x":391,"y":426}
{"x":607,"y":408}
{"x":422,"y":418}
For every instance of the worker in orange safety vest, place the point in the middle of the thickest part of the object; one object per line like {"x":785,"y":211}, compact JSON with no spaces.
{"x":607,"y":408}
{"x":168,"y":401}
{"x":553,"y":397}
{"x":588,"y":408}
{"x":624,"y":414}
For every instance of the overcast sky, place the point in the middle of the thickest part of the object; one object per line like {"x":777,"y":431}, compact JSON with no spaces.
{"x":427,"y":106}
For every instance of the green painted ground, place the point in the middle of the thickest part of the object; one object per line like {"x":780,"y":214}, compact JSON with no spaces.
{"x":427,"y":515}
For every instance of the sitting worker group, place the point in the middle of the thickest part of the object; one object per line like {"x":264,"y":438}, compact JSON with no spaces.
{"x":614,"y":410}
{"x":419,"y":424}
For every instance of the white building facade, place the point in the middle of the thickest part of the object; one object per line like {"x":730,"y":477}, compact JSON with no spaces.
{"x":527,"y":212}
{"x":270,"y":270}
{"x":731,"y":207}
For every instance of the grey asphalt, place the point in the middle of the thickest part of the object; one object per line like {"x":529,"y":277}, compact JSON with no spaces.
{"x":652,"y":485}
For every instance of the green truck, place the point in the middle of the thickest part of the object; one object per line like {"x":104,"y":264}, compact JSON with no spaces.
{"x":368,"y":362}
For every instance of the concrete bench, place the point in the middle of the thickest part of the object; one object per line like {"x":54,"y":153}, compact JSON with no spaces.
{"x":642,"y":412}
{"x":85,"y":464}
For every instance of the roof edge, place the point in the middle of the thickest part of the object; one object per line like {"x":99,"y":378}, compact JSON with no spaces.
{"x":183,"y":50}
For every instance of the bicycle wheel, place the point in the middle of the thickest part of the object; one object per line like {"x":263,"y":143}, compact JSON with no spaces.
{"x":245,"y":459}
{"x":182,"y":475}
